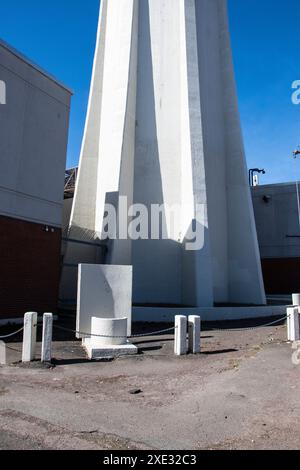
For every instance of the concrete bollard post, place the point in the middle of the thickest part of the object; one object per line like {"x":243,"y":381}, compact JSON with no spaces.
{"x":2,"y":353}
{"x":296,"y":300}
{"x":289,"y":315}
{"x":293,"y":324}
{"x":194,"y":334}
{"x":180,"y":347}
{"x":47,"y":337}
{"x":29,"y":336}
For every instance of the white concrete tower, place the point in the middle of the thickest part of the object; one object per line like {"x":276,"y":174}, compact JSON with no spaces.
{"x":163,"y":127}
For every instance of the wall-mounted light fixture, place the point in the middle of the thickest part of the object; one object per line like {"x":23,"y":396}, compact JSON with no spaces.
{"x":252,"y":173}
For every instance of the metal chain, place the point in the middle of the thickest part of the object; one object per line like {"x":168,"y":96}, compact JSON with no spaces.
{"x":12,"y":334}
{"x":113,"y":337}
{"x":142,"y":335}
{"x":251,"y":328}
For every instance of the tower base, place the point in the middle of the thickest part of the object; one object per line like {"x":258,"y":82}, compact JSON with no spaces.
{"x":167,"y":315}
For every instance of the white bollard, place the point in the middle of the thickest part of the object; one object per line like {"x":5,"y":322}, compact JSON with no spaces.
{"x":47,"y":338}
{"x":180,"y":346}
{"x":296,"y":300}
{"x":29,"y":337}
{"x":2,"y":353}
{"x":293,"y":324}
{"x":194,"y":334}
{"x":289,"y":314}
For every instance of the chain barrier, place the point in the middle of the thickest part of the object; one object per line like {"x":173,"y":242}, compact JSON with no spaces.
{"x":88,"y":335}
{"x":167,"y":330}
{"x":153,"y":333}
{"x":143,"y":335}
{"x":12,"y":334}
{"x":286,"y":317}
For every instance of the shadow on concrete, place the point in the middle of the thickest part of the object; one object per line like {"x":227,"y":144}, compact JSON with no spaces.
{"x":71,"y":362}
{"x":145,"y":349}
{"x":154,"y":341}
{"x":221,"y":351}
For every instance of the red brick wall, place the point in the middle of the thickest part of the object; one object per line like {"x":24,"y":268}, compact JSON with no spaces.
{"x":29,"y":268}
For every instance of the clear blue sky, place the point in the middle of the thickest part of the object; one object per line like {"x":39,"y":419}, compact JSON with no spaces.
{"x":60,"y":35}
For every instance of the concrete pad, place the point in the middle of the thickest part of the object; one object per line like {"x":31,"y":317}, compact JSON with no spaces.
{"x":103,"y":292}
{"x":109,"y":351}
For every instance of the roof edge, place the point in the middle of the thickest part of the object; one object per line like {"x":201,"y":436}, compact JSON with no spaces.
{"x":32,"y":64}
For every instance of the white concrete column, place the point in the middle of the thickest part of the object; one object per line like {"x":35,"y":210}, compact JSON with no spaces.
{"x":47,"y":337}
{"x":296,"y":300}
{"x":293,"y":324}
{"x":180,"y":347}
{"x":194,"y":334}
{"x":29,"y":336}
{"x":2,"y":353}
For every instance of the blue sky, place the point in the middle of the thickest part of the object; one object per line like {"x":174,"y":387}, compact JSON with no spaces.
{"x":60,"y":35}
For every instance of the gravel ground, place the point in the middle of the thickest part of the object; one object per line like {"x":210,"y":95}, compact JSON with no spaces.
{"x":241,"y":392}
